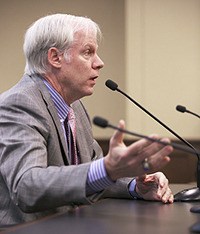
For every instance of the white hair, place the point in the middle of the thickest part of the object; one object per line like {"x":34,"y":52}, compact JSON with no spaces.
{"x":55,"y":30}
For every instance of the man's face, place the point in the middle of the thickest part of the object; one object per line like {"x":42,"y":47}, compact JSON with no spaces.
{"x":79,"y":74}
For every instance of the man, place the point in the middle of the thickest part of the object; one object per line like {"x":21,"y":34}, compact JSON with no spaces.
{"x":43,"y":170}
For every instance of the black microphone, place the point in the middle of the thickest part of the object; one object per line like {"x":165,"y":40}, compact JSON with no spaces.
{"x":183,"y":110}
{"x":195,"y":209}
{"x":103,"y":123}
{"x":183,"y":195}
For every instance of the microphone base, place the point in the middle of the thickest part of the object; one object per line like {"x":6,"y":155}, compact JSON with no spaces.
{"x":188,"y":195}
{"x":195,"y":228}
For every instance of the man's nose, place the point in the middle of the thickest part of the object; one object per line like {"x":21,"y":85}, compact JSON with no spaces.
{"x":98,"y":63}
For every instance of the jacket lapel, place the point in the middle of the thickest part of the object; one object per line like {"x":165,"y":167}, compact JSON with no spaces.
{"x":84,"y":138}
{"x":52,"y":111}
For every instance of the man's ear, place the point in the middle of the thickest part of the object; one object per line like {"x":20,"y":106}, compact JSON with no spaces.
{"x":54,"y":57}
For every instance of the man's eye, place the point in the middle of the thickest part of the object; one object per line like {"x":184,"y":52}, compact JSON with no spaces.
{"x":87,"y":52}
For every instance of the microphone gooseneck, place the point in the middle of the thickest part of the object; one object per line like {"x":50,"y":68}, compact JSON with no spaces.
{"x":185,"y":195}
{"x":103,"y":123}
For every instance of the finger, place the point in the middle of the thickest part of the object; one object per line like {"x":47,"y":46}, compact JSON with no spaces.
{"x":161,"y":179}
{"x":141,"y":146}
{"x":155,"y":148}
{"x":164,"y":192}
{"x":171,"y":199}
{"x":163,"y":183}
{"x":160,"y":158}
{"x":168,"y":196}
{"x":153,"y":152}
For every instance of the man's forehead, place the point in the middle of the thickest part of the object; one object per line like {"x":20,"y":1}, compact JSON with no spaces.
{"x":85,"y":38}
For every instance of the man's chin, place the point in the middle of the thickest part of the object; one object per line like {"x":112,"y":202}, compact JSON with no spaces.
{"x":90,"y":92}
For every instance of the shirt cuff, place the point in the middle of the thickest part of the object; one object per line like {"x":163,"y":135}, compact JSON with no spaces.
{"x":97,"y":179}
{"x":132,"y":190}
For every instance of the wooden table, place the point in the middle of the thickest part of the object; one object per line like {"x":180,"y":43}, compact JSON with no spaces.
{"x":118,"y":216}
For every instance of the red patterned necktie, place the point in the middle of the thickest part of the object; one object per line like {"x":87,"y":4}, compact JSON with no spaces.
{"x":72,"y":125}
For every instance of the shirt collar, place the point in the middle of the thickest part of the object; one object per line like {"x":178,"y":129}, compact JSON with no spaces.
{"x":61,"y":106}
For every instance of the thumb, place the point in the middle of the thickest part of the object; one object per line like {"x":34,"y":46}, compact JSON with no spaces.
{"x":141,"y":178}
{"x":118,"y":136}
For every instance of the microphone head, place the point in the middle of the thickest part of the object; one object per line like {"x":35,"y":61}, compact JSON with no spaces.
{"x":181,"y":108}
{"x":111,"y":85}
{"x":101,"y":122}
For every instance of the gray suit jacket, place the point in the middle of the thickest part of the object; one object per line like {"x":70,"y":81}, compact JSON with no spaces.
{"x":36,"y":178}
